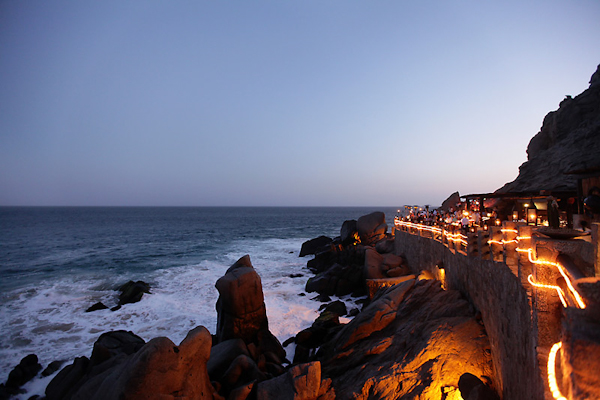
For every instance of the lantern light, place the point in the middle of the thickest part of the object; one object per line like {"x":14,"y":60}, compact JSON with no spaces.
{"x":532,"y":216}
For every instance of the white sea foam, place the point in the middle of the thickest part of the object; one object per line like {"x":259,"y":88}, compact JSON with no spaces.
{"x":50,"y":319}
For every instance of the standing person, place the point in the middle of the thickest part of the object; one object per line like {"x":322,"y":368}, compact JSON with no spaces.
{"x":553,"y":216}
{"x":465,"y":222}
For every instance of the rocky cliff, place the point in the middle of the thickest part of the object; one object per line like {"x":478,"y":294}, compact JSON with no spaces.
{"x":569,"y":140}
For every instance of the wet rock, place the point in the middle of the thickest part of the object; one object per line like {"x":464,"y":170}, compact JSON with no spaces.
{"x":132,"y":292}
{"x":322,"y":283}
{"x":97,"y":306}
{"x":241,"y":310}
{"x":25,"y":371}
{"x":337,"y":307}
{"x":315,"y":246}
{"x":52,"y":368}
{"x":323,"y":298}
{"x":68,"y":380}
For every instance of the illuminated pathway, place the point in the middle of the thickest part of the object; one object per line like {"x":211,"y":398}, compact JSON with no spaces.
{"x":512,"y":243}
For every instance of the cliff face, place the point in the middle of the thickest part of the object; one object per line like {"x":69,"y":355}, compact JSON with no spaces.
{"x":568,"y":140}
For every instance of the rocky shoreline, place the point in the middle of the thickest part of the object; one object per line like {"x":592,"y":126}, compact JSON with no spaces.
{"x":411,"y":339}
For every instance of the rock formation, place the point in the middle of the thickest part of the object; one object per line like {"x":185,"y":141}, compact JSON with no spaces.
{"x":315,"y":246}
{"x":21,"y":374}
{"x":569,"y":140}
{"x":414,"y":340}
{"x":371,"y":227}
{"x":241,"y":310}
{"x":122,"y":366}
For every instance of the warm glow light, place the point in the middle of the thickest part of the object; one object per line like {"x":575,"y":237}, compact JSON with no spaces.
{"x":462,"y":239}
{"x":560,"y":292}
{"x":552,"y":372}
{"x":453,"y":237}
{"x":509,"y":230}
{"x":532,"y":215}
{"x":576,"y":295}
{"x":502,"y":242}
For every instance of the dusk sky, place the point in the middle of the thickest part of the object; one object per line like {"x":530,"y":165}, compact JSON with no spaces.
{"x":279,"y":103}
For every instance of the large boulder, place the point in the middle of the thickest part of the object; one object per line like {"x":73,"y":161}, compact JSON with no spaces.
{"x":375,"y":317}
{"x":27,"y":369}
{"x":371,"y":227}
{"x":159,"y":369}
{"x":349,"y":232}
{"x":301,"y":382}
{"x":316,"y":245}
{"x":115,"y":344}
{"x":68,"y":380}
{"x":373,"y":265}
{"x":375,"y":285}
{"x":241,"y":310}
{"x":385,"y":246}
{"x":415,"y":340}
{"x":223,"y":354}
{"x":339,"y":280}
{"x":132,"y":292}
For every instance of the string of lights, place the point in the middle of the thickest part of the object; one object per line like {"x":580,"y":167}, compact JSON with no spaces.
{"x":561,"y":293}
{"x":552,"y":383}
{"x":560,"y":268}
{"x":552,"y":372}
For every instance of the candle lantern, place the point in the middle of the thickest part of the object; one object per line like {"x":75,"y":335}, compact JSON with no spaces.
{"x":532,"y":214}
{"x":515,"y":215}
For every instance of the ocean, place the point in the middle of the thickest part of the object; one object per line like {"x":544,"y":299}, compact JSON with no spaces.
{"x":55,"y":262}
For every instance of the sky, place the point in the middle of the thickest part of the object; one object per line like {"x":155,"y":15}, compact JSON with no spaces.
{"x":279,"y":103}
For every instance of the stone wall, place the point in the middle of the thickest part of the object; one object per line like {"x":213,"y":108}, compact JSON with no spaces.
{"x":498,"y":293}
